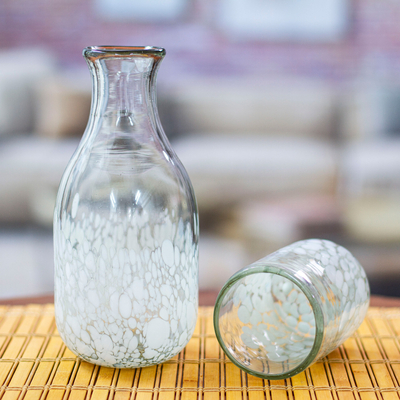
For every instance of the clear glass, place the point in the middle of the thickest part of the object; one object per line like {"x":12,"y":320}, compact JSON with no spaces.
{"x":280,"y":314}
{"x":125,"y":224}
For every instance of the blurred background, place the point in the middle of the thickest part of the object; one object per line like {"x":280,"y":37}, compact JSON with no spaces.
{"x":285,"y":113}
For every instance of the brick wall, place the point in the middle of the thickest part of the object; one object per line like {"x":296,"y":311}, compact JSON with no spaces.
{"x":196,"y":46}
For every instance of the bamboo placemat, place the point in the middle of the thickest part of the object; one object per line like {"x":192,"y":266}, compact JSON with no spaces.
{"x":36,"y":365}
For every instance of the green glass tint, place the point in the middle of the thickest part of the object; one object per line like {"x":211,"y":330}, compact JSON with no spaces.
{"x":277,"y":316}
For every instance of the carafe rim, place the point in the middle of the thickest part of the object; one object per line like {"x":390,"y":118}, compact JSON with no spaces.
{"x":123,"y":51}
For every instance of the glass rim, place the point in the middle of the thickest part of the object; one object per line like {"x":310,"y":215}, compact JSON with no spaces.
{"x":123,"y":51}
{"x":312,"y":298}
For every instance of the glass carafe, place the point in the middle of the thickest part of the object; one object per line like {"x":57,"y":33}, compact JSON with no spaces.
{"x":125,"y":224}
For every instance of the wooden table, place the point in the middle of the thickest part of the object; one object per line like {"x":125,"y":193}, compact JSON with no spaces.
{"x":206,"y":298}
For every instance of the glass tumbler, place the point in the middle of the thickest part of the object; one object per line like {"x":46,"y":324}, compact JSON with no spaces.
{"x":277,"y":316}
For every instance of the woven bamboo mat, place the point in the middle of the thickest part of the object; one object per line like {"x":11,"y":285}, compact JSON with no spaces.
{"x":36,"y":365}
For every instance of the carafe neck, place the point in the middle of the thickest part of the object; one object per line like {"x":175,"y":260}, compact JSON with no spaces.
{"x":123,"y":98}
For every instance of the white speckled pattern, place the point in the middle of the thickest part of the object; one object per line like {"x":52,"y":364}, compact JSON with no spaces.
{"x":125,"y":224}
{"x":120,"y":302}
{"x":267,"y":323}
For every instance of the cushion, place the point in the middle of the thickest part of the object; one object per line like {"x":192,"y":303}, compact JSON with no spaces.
{"x":228,"y":169}
{"x":292,"y":107}
{"x":21,"y":69}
